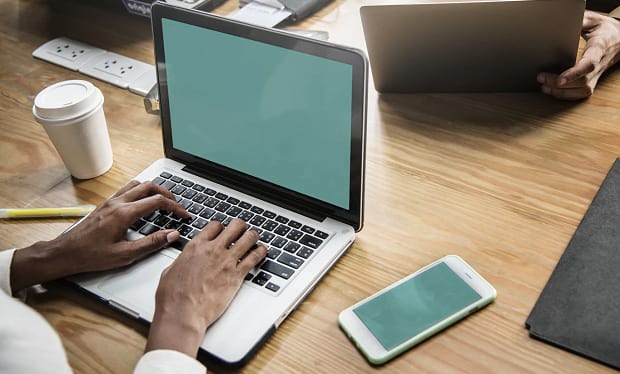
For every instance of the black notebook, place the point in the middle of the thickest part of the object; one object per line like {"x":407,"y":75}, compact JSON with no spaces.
{"x":579,"y":308}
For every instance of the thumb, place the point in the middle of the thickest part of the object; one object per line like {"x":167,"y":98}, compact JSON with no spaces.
{"x":152,"y":242}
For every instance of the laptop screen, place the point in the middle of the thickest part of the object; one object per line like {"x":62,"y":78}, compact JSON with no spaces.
{"x":273,"y":113}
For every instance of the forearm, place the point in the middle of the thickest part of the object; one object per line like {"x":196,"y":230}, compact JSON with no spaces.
{"x":38,"y":263}
{"x":175,"y":333}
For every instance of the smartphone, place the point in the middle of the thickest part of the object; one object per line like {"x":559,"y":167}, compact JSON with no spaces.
{"x":413,"y":309}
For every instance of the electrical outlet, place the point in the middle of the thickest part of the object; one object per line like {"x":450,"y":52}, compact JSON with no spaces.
{"x":67,"y":53}
{"x":116,"y":69}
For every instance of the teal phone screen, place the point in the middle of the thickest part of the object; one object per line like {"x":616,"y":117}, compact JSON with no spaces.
{"x":416,"y":305}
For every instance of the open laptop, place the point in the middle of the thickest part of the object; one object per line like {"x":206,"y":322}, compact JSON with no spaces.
{"x":258,"y":124}
{"x":473,"y":46}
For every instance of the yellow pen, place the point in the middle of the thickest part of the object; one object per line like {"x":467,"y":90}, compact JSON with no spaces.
{"x":71,"y":211}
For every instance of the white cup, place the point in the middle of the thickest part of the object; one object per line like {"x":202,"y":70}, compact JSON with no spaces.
{"x":71,"y":112}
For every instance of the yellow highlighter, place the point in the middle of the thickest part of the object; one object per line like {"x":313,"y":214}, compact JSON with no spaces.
{"x":71,"y":211}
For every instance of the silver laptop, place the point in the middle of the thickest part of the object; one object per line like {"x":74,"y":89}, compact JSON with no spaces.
{"x":470,"y":46}
{"x":265,"y":126}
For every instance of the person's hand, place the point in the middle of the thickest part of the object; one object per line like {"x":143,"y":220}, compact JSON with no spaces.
{"x":99,"y":241}
{"x":200,"y":284}
{"x":601,"y":51}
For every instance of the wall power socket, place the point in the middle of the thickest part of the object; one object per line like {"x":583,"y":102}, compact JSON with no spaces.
{"x":110,"y":67}
{"x":67,"y":53}
{"x":119,"y":70}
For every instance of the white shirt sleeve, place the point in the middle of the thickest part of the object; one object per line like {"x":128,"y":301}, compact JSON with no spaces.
{"x":164,"y":361}
{"x":28,"y":344}
{"x":6,"y":257}
{"x":25,"y":334}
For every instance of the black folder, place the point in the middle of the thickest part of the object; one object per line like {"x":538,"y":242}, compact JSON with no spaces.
{"x":579,"y":308}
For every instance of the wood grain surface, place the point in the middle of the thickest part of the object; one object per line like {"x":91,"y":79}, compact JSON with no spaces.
{"x":501,"y":180}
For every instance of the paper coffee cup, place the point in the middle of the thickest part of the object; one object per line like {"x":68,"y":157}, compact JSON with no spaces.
{"x":71,"y":112}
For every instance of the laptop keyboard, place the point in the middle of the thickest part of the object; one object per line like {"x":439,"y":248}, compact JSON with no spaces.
{"x":290,"y":244}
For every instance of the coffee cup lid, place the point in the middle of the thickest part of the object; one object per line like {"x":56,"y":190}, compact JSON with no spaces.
{"x":66,"y":100}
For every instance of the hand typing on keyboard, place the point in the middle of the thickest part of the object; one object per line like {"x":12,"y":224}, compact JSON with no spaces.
{"x":99,"y":241}
{"x":196,"y":289}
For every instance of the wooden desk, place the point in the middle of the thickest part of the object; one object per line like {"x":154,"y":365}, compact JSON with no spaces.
{"x":499,"y":179}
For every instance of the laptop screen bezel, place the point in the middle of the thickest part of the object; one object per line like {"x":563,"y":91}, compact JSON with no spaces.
{"x":265,"y":190}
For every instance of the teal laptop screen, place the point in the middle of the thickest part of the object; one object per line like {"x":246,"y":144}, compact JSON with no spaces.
{"x":276,"y":114}
{"x":415,"y":305}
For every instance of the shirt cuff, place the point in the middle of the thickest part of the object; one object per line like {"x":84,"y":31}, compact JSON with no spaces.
{"x":6,"y":258}
{"x":164,"y":361}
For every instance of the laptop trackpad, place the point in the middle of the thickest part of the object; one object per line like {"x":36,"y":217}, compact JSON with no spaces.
{"x":136,"y":285}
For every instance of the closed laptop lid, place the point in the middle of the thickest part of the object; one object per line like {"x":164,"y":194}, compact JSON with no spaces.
{"x":470,"y":46}
{"x":266,"y":112}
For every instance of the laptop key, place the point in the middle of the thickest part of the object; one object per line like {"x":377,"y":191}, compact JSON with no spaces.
{"x":172,"y":224}
{"x":198,"y":187}
{"x":245,"y":205}
{"x":269,"y":214}
{"x":270,"y":225}
{"x":291,"y":247}
{"x":305,"y":252}
{"x":212,"y":202}
{"x":257,"y":210}
{"x":219,"y":217}
{"x":161,"y":221}
{"x":178,"y":189}
{"x":148,"y":229}
{"x":138,"y":224}
{"x":184,"y":230}
{"x":207,"y":213}
{"x":282,"y":219}
{"x":221,"y":196}
{"x":189,"y":194}
{"x":261,"y":278}
{"x":222,"y":207}
{"x":179,"y":243}
{"x":272,"y":253}
{"x":200,"y":223}
{"x":195,"y":208}
{"x":290,"y":260}
{"x":176,"y":179}
{"x":227,"y":221}
{"x":308,"y":229}
{"x":246,"y":216}
{"x":200,"y":198}
{"x":151,"y":217}
{"x":192,"y":234}
{"x":169,"y":185}
{"x":232,"y":200}
{"x":282,"y":230}
{"x":248,"y":276}
{"x":158,"y":180}
{"x":185,"y":203}
{"x":188,"y":220}
{"x":187,"y":183}
{"x":258,"y":220}
{"x":279,"y":242}
{"x":272,"y":287}
{"x":311,"y":241}
{"x":266,"y":237}
{"x":233,"y":211}
{"x":294,"y":235}
{"x":277,"y":269}
{"x":165,"y":175}
{"x":294,"y":224}
{"x":321,"y":234}
{"x":210,"y":191}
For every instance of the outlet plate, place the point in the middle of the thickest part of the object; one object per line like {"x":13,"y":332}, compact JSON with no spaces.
{"x":67,"y":53}
{"x":116,"y":69}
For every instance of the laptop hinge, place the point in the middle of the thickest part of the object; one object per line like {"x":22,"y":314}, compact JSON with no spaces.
{"x":273,"y":198}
